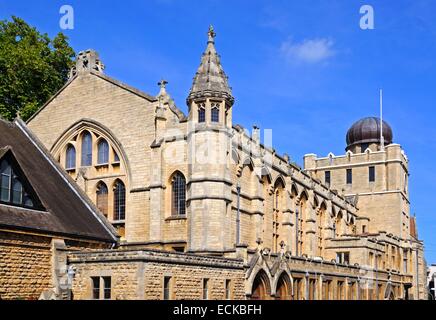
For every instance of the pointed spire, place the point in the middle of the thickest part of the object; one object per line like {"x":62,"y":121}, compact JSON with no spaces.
{"x":210,"y":79}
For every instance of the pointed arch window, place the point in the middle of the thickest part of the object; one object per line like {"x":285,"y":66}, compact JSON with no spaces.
{"x":119,"y":200}
{"x":215,"y":113}
{"x":86,"y":149}
{"x":178,"y":188}
{"x":102,"y":198}
{"x":201,"y":113}
{"x":103,"y":152}
{"x":70,"y":158}
{"x":116,"y":157}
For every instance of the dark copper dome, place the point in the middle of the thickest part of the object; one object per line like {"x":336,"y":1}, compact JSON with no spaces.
{"x":367,"y":130}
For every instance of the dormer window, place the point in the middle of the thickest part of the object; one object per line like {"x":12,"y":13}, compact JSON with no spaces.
{"x":12,"y":189}
{"x":201,"y":113}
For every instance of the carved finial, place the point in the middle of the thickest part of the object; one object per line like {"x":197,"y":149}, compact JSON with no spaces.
{"x":211,"y":34}
{"x":162,"y":84}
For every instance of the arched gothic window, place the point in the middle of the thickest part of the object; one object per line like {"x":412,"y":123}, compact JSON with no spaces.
{"x":70,"y":158}
{"x":103,"y":152}
{"x":215,"y":113}
{"x":102,"y":198}
{"x":178,"y":185}
{"x":86,"y":149}
{"x":201,"y":113}
{"x":119,"y":200}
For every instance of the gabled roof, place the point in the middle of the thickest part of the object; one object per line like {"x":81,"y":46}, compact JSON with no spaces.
{"x":100,"y":75}
{"x":66,"y":210}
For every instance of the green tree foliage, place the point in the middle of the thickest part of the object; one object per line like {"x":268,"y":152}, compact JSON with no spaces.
{"x":32,"y":67}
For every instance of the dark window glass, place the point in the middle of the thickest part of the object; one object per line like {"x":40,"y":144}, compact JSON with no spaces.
{"x":178,"y":194}
{"x":205,"y":289}
{"x":215,"y":113}
{"x":86,"y":149}
{"x":95,"y":288}
{"x":27,"y":201}
{"x":70,"y":158}
{"x":17,"y":191}
{"x":5,"y":183}
{"x":116,"y":157}
{"x":364,"y":146}
{"x":327,"y":178}
{"x":228,"y":289}
{"x":103,"y":152}
{"x":107,"y":287}
{"x":201,"y":113}
{"x":349,"y":176}
{"x":167,"y":288}
{"x":102,"y":198}
{"x":371,"y":174}
{"x":119,"y":201}
{"x":346,"y":257}
{"x":11,"y":186}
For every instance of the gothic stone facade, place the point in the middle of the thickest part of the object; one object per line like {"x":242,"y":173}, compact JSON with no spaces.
{"x":201,"y":185}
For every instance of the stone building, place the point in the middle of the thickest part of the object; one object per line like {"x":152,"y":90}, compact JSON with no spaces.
{"x":36,"y":229}
{"x":199,"y":187}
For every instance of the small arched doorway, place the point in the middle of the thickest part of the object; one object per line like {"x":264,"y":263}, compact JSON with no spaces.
{"x":261,"y":289}
{"x":283,"y":290}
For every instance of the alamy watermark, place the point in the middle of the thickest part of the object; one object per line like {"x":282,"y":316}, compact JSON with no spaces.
{"x":367,"y":19}
{"x":66,"y":21}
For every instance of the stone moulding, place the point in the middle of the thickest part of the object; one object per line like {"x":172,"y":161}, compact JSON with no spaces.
{"x":106,"y":256}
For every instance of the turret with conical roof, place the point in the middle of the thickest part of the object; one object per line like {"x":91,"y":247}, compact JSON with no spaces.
{"x":210,"y":98}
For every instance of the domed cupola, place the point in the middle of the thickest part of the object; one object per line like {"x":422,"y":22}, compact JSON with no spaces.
{"x":366,"y":132}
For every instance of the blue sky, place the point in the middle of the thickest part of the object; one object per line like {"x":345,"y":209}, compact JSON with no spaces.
{"x":302,"y":68}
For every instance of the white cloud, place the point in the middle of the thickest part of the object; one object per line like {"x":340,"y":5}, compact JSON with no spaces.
{"x":308,"y":51}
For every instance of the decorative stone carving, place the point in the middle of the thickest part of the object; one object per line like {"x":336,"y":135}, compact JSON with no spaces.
{"x":86,"y":61}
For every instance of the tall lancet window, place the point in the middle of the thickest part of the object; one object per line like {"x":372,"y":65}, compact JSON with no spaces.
{"x":178,"y":185}
{"x":215,"y":113}
{"x":119,"y":200}
{"x":103,"y":152}
{"x":102,"y":198}
{"x":70,"y":158}
{"x":86,"y":149}
{"x":201,"y":112}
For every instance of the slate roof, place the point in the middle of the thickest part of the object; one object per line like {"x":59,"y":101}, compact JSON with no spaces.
{"x":66,"y":210}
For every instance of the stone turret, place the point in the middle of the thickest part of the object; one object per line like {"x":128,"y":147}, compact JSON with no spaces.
{"x":210,"y":98}
{"x":210,"y":121}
